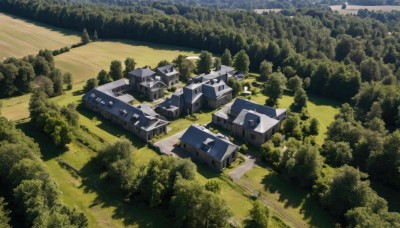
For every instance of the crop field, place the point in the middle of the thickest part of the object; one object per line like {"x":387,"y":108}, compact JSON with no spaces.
{"x":85,"y":62}
{"x":353,"y":9}
{"x":20,"y":37}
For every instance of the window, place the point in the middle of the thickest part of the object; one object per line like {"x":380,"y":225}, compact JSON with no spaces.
{"x":197,"y":153}
{"x":197,"y":104}
{"x":184,"y":145}
{"x":252,"y":136}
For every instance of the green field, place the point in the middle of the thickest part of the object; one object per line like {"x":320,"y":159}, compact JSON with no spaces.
{"x":19,"y":37}
{"x":85,"y":62}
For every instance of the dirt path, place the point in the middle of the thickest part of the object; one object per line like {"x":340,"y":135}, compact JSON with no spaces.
{"x":239,"y":171}
{"x":271,"y":203}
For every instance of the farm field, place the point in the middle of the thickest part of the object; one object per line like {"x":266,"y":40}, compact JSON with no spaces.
{"x":20,"y":37}
{"x":353,"y":9}
{"x":85,"y":62}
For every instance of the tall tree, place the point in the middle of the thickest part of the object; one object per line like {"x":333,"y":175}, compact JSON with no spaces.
{"x":260,"y":215}
{"x":265,"y":70}
{"x":95,"y":36}
{"x":242,"y":62}
{"x":274,"y":87}
{"x":205,"y":62}
{"x":85,"y":38}
{"x":130,"y":65}
{"x":116,"y":70}
{"x":226,"y":58}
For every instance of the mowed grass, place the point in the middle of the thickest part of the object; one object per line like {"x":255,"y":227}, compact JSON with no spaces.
{"x":85,"y":62}
{"x":295,"y":201}
{"x":20,"y":37}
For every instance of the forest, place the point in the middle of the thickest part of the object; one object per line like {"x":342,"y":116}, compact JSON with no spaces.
{"x":351,"y":59}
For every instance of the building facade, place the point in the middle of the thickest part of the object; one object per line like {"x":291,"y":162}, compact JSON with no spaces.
{"x":214,"y":150}
{"x":250,"y":121}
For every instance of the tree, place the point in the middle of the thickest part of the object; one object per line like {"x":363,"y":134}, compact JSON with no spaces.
{"x":58,"y":82}
{"x":274,"y":87}
{"x":217,"y":62}
{"x":95,"y":37}
{"x":265,"y":70}
{"x":226,"y":58}
{"x":4,"y":214}
{"x":213,"y":186}
{"x":85,"y":39}
{"x":337,"y":153}
{"x":103,"y":77}
{"x":344,"y":6}
{"x":300,"y":100}
{"x":130,"y":65}
{"x":295,"y":83}
{"x":235,"y":85}
{"x":242,"y":62}
{"x":163,"y":63}
{"x":46,"y":85}
{"x":205,"y":62}
{"x":313,"y":129}
{"x":67,"y":78}
{"x":186,"y":69}
{"x":291,"y":126}
{"x":90,"y":84}
{"x":370,"y":70}
{"x":116,"y":70}
{"x":260,"y":215}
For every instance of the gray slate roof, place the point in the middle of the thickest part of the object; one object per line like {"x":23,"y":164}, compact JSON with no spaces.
{"x":214,"y":90}
{"x":211,"y":144}
{"x":257,"y":122}
{"x":122,"y":110}
{"x":168,"y":70}
{"x":240,"y":104}
{"x":141,"y":72}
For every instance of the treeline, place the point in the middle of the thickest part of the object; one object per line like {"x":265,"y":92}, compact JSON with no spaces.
{"x":33,"y":195}
{"x":19,"y":76}
{"x":58,"y":123}
{"x":310,"y":37}
{"x":227,"y":4}
{"x":374,"y":2}
{"x":165,"y":182}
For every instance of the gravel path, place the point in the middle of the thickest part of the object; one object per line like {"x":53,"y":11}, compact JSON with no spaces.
{"x":239,"y":171}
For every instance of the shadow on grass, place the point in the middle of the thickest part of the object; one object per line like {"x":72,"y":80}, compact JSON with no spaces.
{"x":321,"y":101}
{"x":108,"y":195}
{"x":110,"y":127}
{"x":295,"y":197}
{"x":47,"y":147}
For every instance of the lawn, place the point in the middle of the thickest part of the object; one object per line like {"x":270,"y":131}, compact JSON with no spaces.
{"x":20,"y":37}
{"x":322,"y":109}
{"x":85,"y":62}
{"x":286,"y":196}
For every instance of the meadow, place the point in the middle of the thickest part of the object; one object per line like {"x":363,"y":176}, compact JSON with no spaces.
{"x":353,"y":9}
{"x":19,"y":37}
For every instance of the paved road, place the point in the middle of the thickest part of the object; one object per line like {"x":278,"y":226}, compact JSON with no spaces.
{"x":239,"y":171}
{"x":167,"y":146}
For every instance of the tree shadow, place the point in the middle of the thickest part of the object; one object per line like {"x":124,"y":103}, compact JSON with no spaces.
{"x":321,"y":101}
{"x":293,"y":196}
{"x":108,"y":195}
{"x":47,"y":147}
{"x":111,"y":128}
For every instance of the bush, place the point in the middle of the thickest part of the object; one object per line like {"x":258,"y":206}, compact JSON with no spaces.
{"x":243,"y":148}
{"x":277,"y":139}
{"x":213,"y":186}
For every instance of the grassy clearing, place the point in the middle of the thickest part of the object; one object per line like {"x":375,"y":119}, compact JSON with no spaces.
{"x":85,"y":62}
{"x":20,"y":37}
{"x":295,"y":201}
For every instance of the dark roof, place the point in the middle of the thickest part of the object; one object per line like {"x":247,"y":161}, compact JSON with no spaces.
{"x":240,"y":104}
{"x":214,"y":89}
{"x":122,"y":110}
{"x":211,"y":144}
{"x":176,"y":101}
{"x":255,"y":121}
{"x":141,"y":72}
{"x":225,"y":69}
{"x":167,"y":70}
